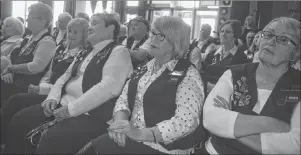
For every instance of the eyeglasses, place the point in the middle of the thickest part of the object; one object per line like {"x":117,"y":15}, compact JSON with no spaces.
{"x":36,"y":134}
{"x":279,"y":39}
{"x":226,"y":32}
{"x":160,"y":36}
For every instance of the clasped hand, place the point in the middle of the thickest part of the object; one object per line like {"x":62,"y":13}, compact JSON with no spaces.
{"x":50,"y":109}
{"x":120,"y":129}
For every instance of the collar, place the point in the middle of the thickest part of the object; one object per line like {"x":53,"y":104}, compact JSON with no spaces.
{"x":62,"y":32}
{"x":73,"y":51}
{"x":14,"y":38}
{"x":99,"y":46}
{"x":170,"y":64}
{"x":37,"y":37}
{"x":221,"y":49}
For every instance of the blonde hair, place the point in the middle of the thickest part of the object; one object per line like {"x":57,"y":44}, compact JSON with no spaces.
{"x":176,"y":31}
{"x":43,"y":11}
{"x":17,"y":25}
{"x":83,"y":24}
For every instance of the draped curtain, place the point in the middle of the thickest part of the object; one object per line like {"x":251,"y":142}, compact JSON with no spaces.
{"x":93,"y":5}
{"x":70,"y":6}
{"x":6,"y":9}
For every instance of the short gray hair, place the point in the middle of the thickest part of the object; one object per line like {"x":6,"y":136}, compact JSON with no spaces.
{"x":292,"y":24}
{"x":176,"y":31}
{"x":43,"y":11}
{"x":65,"y":16}
{"x":81,"y":23}
{"x":17,"y":25}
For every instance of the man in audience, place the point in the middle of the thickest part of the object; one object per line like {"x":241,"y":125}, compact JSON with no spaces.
{"x":137,"y":41}
{"x":27,"y":31}
{"x":60,"y":34}
{"x":197,"y":49}
{"x":31,"y":60}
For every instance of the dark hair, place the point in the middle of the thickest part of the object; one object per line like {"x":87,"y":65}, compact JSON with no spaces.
{"x":110,"y":19}
{"x":235,"y":25}
{"x":83,"y":15}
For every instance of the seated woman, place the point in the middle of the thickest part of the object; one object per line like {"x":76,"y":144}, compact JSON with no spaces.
{"x":31,"y":60}
{"x":226,"y":55}
{"x":160,"y":106}
{"x":255,"y":108}
{"x":13,"y":30}
{"x":77,"y":31}
{"x":253,"y":49}
{"x":82,"y":99}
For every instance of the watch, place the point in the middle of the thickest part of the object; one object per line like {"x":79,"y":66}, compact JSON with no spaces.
{"x":9,"y":69}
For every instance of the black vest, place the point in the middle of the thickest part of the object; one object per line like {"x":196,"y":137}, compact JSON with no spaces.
{"x":129,"y":43}
{"x":59,"y":64}
{"x":280,"y":104}
{"x":159,"y":102}
{"x":214,"y":67}
{"x":25,"y":57}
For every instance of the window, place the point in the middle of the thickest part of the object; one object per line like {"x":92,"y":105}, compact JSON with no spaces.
{"x":98,"y":8}
{"x":132,"y":3}
{"x":58,"y":8}
{"x":20,"y":9}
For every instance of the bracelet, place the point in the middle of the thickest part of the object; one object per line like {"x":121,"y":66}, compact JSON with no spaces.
{"x":154,"y":136}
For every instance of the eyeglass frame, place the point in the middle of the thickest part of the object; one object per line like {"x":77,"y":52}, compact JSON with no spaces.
{"x":152,"y":34}
{"x":40,"y":129}
{"x":277,"y":39}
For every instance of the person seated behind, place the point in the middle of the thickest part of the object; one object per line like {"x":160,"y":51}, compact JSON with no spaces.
{"x":12,"y":30}
{"x":137,"y":41}
{"x":253,"y":48}
{"x":198,"y":48}
{"x":255,"y":108}
{"x":249,"y":25}
{"x":60,"y":34}
{"x":77,"y":31}
{"x":83,"y":15}
{"x":249,"y":38}
{"x":81,"y":100}
{"x":122,"y":34}
{"x":226,"y":55}
{"x":160,"y":106}
{"x":27,"y":32}
{"x":31,"y":60}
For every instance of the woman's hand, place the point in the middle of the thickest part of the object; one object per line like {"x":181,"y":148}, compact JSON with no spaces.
{"x":61,"y":113}
{"x":32,"y":89}
{"x":8,"y":78}
{"x":49,"y":106}
{"x":127,"y":128}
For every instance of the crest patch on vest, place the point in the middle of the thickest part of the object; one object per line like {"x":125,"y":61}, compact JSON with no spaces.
{"x":291,"y":88}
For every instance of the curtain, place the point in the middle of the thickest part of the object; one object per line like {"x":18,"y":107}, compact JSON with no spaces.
{"x":104,"y":5}
{"x":6,"y":9}
{"x":93,"y":5}
{"x":70,"y":6}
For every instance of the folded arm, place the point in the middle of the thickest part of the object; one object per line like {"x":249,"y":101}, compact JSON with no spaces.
{"x":223,"y":122}
{"x":114,"y":76}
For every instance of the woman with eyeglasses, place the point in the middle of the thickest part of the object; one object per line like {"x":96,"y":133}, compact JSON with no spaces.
{"x":255,"y":108}
{"x":159,"y":109}
{"x":227,"y":54}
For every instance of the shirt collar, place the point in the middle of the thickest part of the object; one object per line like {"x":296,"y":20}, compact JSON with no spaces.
{"x":99,"y":46}
{"x":170,"y":64}
{"x":37,"y":37}
{"x":62,"y":32}
{"x":13,"y":38}
{"x":221,"y":49}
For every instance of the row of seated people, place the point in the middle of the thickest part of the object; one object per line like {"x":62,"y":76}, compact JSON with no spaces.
{"x":159,"y":107}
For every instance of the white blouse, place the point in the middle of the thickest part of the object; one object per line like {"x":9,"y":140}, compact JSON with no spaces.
{"x":189,"y":101}
{"x":224,"y":120}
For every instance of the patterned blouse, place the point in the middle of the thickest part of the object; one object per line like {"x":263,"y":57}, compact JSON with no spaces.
{"x":189,"y":101}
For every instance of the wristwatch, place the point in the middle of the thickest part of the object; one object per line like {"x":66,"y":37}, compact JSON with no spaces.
{"x":9,"y":69}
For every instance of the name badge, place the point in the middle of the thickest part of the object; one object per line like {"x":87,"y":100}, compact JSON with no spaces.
{"x":177,"y":73}
{"x":291,"y":88}
{"x":288,"y":99}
